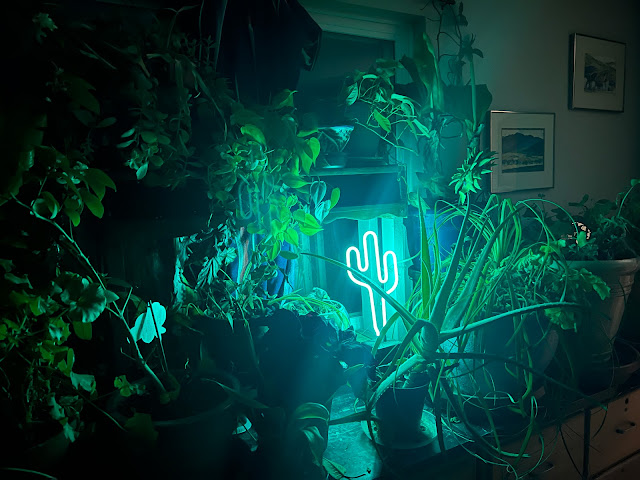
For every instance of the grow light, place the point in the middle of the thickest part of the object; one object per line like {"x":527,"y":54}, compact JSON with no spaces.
{"x":382,"y":273}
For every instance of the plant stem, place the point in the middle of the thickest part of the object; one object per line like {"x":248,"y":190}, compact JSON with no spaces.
{"x":87,"y":262}
{"x":472,"y":74}
{"x":384,"y":138}
{"x":456,"y":332}
{"x":25,"y":470}
{"x":524,"y":366}
{"x":155,"y":324}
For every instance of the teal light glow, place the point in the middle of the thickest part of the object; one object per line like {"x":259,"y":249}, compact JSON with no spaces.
{"x":362,"y":260}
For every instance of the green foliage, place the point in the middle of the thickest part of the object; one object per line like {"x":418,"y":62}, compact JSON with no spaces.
{"x":467,"y":179}
{"x":317,"y":301}
{"x":435,"y":100}
{"x":495,"y":275}
{"x":50,"y":181}
{"x":602,"y":229}
{"x":127,"y":389}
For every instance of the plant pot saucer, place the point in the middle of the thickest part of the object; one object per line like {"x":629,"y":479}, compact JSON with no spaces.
{"x":426,"y":434}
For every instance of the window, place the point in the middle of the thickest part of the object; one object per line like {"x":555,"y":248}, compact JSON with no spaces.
{"x":354,"y":40}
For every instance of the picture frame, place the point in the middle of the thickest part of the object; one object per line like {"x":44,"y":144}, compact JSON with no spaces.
{"x":597,"y":74}
{"x":524,"y":146}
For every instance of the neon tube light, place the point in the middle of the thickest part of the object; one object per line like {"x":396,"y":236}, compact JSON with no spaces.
{"x":382,"y":273}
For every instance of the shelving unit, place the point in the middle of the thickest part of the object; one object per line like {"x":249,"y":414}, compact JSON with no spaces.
{"x":589,"y":443}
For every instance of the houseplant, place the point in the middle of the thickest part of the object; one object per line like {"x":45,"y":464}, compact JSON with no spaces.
{"x":319,"y":302}
{"x":447,"y":295}
{"x":600,"y":239}
{"x":451,"y":297}
{"x":50,"y":183}
{"x":52,"y":296}
{"x":439,"y":106}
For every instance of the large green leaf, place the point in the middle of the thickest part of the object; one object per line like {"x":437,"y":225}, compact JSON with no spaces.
{"x":291,"y":236}
{"x":335,"y":196}
{"x":314,"y":144}
{"x":86,"y":300}
{"x":307,"y":223}
{"x":337,"y":471}
{"x":351,"y":94}
{"x":294,"y":181}
{"x":83,"y":331}
{"x":283,"y":99}
{"x":98,"y":181}
{"x":383,"y":121}
{"x":149,"y":137}
{"x":286,"y":254}
{"x":92,"y":202}
{"x":274,"y":251}
{"x":255,"y":133}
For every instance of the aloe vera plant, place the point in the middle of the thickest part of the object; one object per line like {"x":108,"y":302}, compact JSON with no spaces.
{"x":469,"y":291}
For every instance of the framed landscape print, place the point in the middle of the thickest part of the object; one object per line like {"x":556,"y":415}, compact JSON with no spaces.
{"x":524,"y":146}
{"x":597,"y":76}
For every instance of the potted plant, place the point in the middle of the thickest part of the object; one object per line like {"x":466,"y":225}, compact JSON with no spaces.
{"x":599,"y":239}
{"x":319,"y":302}
{"x":449,"y":303}
{"x":452,"y":301}
{"x":301,"y":360}
{"x":522,"y":268}
{"x":51,"y":294}
{"x":54,"y":292}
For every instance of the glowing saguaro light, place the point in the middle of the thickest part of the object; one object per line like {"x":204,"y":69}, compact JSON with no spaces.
{"x":362,"y":260}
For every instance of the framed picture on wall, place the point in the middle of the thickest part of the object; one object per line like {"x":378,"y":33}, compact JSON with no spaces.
{"x":524,"y":146}
{"x":597,"y":76}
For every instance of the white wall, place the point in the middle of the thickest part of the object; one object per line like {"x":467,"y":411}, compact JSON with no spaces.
{"x":526,"y":66}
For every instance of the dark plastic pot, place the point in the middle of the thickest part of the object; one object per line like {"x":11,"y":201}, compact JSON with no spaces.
{"x":400,"y":412}
{"x":191,"y":436}
{"x":198,"y":444}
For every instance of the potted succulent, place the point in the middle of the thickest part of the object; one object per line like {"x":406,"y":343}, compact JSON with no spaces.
{"x":448,"y":305}
{"x":525,"y":266}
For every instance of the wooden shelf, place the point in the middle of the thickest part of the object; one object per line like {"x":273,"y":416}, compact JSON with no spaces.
{"x":367,"y":212}
{"x":375,"y":169}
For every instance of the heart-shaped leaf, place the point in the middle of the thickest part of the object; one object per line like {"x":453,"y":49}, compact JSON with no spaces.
{"x":145,"y":327}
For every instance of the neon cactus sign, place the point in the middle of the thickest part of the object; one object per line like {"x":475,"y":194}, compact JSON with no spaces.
{"x":362,"y":261}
